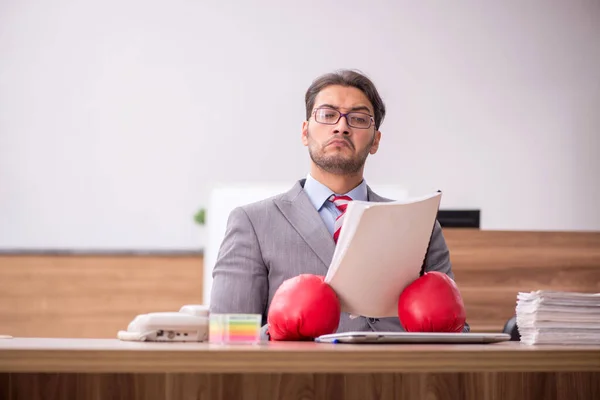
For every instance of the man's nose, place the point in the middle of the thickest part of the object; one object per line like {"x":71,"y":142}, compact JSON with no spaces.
{"x":342,"y":127}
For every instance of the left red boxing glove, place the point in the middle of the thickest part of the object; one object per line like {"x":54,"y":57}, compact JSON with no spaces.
{"x":303,"y":308}
{"x":432,"y":303}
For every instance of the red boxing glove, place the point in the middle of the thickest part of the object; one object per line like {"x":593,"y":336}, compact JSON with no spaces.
{"x":432,"y":303}
{"x":303,"y":308}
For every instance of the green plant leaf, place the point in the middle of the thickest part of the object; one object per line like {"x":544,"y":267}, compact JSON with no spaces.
{"x":200,"y":216}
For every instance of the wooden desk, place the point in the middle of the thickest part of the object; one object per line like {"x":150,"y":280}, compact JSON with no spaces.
{"x":96,"y":369}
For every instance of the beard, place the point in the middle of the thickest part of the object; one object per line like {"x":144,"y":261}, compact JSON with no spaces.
{"x":338,"y":163}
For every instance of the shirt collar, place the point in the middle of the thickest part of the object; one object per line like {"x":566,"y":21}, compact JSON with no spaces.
{"x":319,"y":193}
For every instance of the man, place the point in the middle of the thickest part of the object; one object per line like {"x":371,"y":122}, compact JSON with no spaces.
{"x":294,"y":233}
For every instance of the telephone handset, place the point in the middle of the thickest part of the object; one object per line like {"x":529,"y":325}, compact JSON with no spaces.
{"x":189,"y":324}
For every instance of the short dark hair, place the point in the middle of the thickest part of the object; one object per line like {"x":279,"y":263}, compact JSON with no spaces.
{"x":346,"y":78}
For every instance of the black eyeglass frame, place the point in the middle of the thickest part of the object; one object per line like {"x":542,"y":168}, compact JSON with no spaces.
{"x":371,"y":119}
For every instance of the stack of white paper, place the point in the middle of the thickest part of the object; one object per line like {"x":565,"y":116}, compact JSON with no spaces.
{"x":551,"y":317}
{"x":381,"y":249}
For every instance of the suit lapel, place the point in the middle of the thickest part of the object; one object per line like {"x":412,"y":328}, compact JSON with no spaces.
{"x":304,"y":218}
{"x":301,"y":214}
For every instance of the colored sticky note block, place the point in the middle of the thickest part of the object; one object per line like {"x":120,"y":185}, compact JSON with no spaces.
{"x":234,"y":328}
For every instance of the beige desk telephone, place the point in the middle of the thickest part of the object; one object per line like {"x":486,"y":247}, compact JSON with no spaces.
{"x":189,"y":324}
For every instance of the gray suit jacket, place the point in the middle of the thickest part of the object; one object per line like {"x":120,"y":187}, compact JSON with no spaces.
{"x":281,"y":237}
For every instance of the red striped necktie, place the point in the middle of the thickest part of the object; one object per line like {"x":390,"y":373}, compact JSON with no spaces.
{"x":341,"y":202}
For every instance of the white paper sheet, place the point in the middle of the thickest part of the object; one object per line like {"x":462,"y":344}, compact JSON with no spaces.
{"x":380,"y":251}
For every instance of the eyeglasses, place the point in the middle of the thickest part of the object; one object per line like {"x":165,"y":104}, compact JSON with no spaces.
{"x":329,"y":116}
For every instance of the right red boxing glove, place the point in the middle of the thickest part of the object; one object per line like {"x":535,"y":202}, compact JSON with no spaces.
{"x":303,"y":308}
{"x":432,"y":303}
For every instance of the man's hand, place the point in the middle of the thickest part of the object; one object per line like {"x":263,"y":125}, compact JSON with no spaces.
{"x":303,"y":308}
{"x":432,"y":303}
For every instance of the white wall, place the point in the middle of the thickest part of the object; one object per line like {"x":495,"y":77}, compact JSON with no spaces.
{"x":117,"y":117}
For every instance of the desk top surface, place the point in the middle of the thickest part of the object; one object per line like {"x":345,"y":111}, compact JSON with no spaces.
{"x":113,"y":355}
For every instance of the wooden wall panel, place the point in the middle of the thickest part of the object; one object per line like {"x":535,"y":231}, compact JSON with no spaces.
{"x":95,"y":296}
{"x":91,"y":296}
{"x":491,"y":267}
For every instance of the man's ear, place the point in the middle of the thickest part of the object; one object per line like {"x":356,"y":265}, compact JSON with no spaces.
{"x":305,"y":133}
{"x":375,"y":145}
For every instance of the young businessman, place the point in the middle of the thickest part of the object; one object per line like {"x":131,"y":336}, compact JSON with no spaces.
{"x":294,"y":233}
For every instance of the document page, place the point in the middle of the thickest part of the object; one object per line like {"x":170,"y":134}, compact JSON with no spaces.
{"x":381,"y":249}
